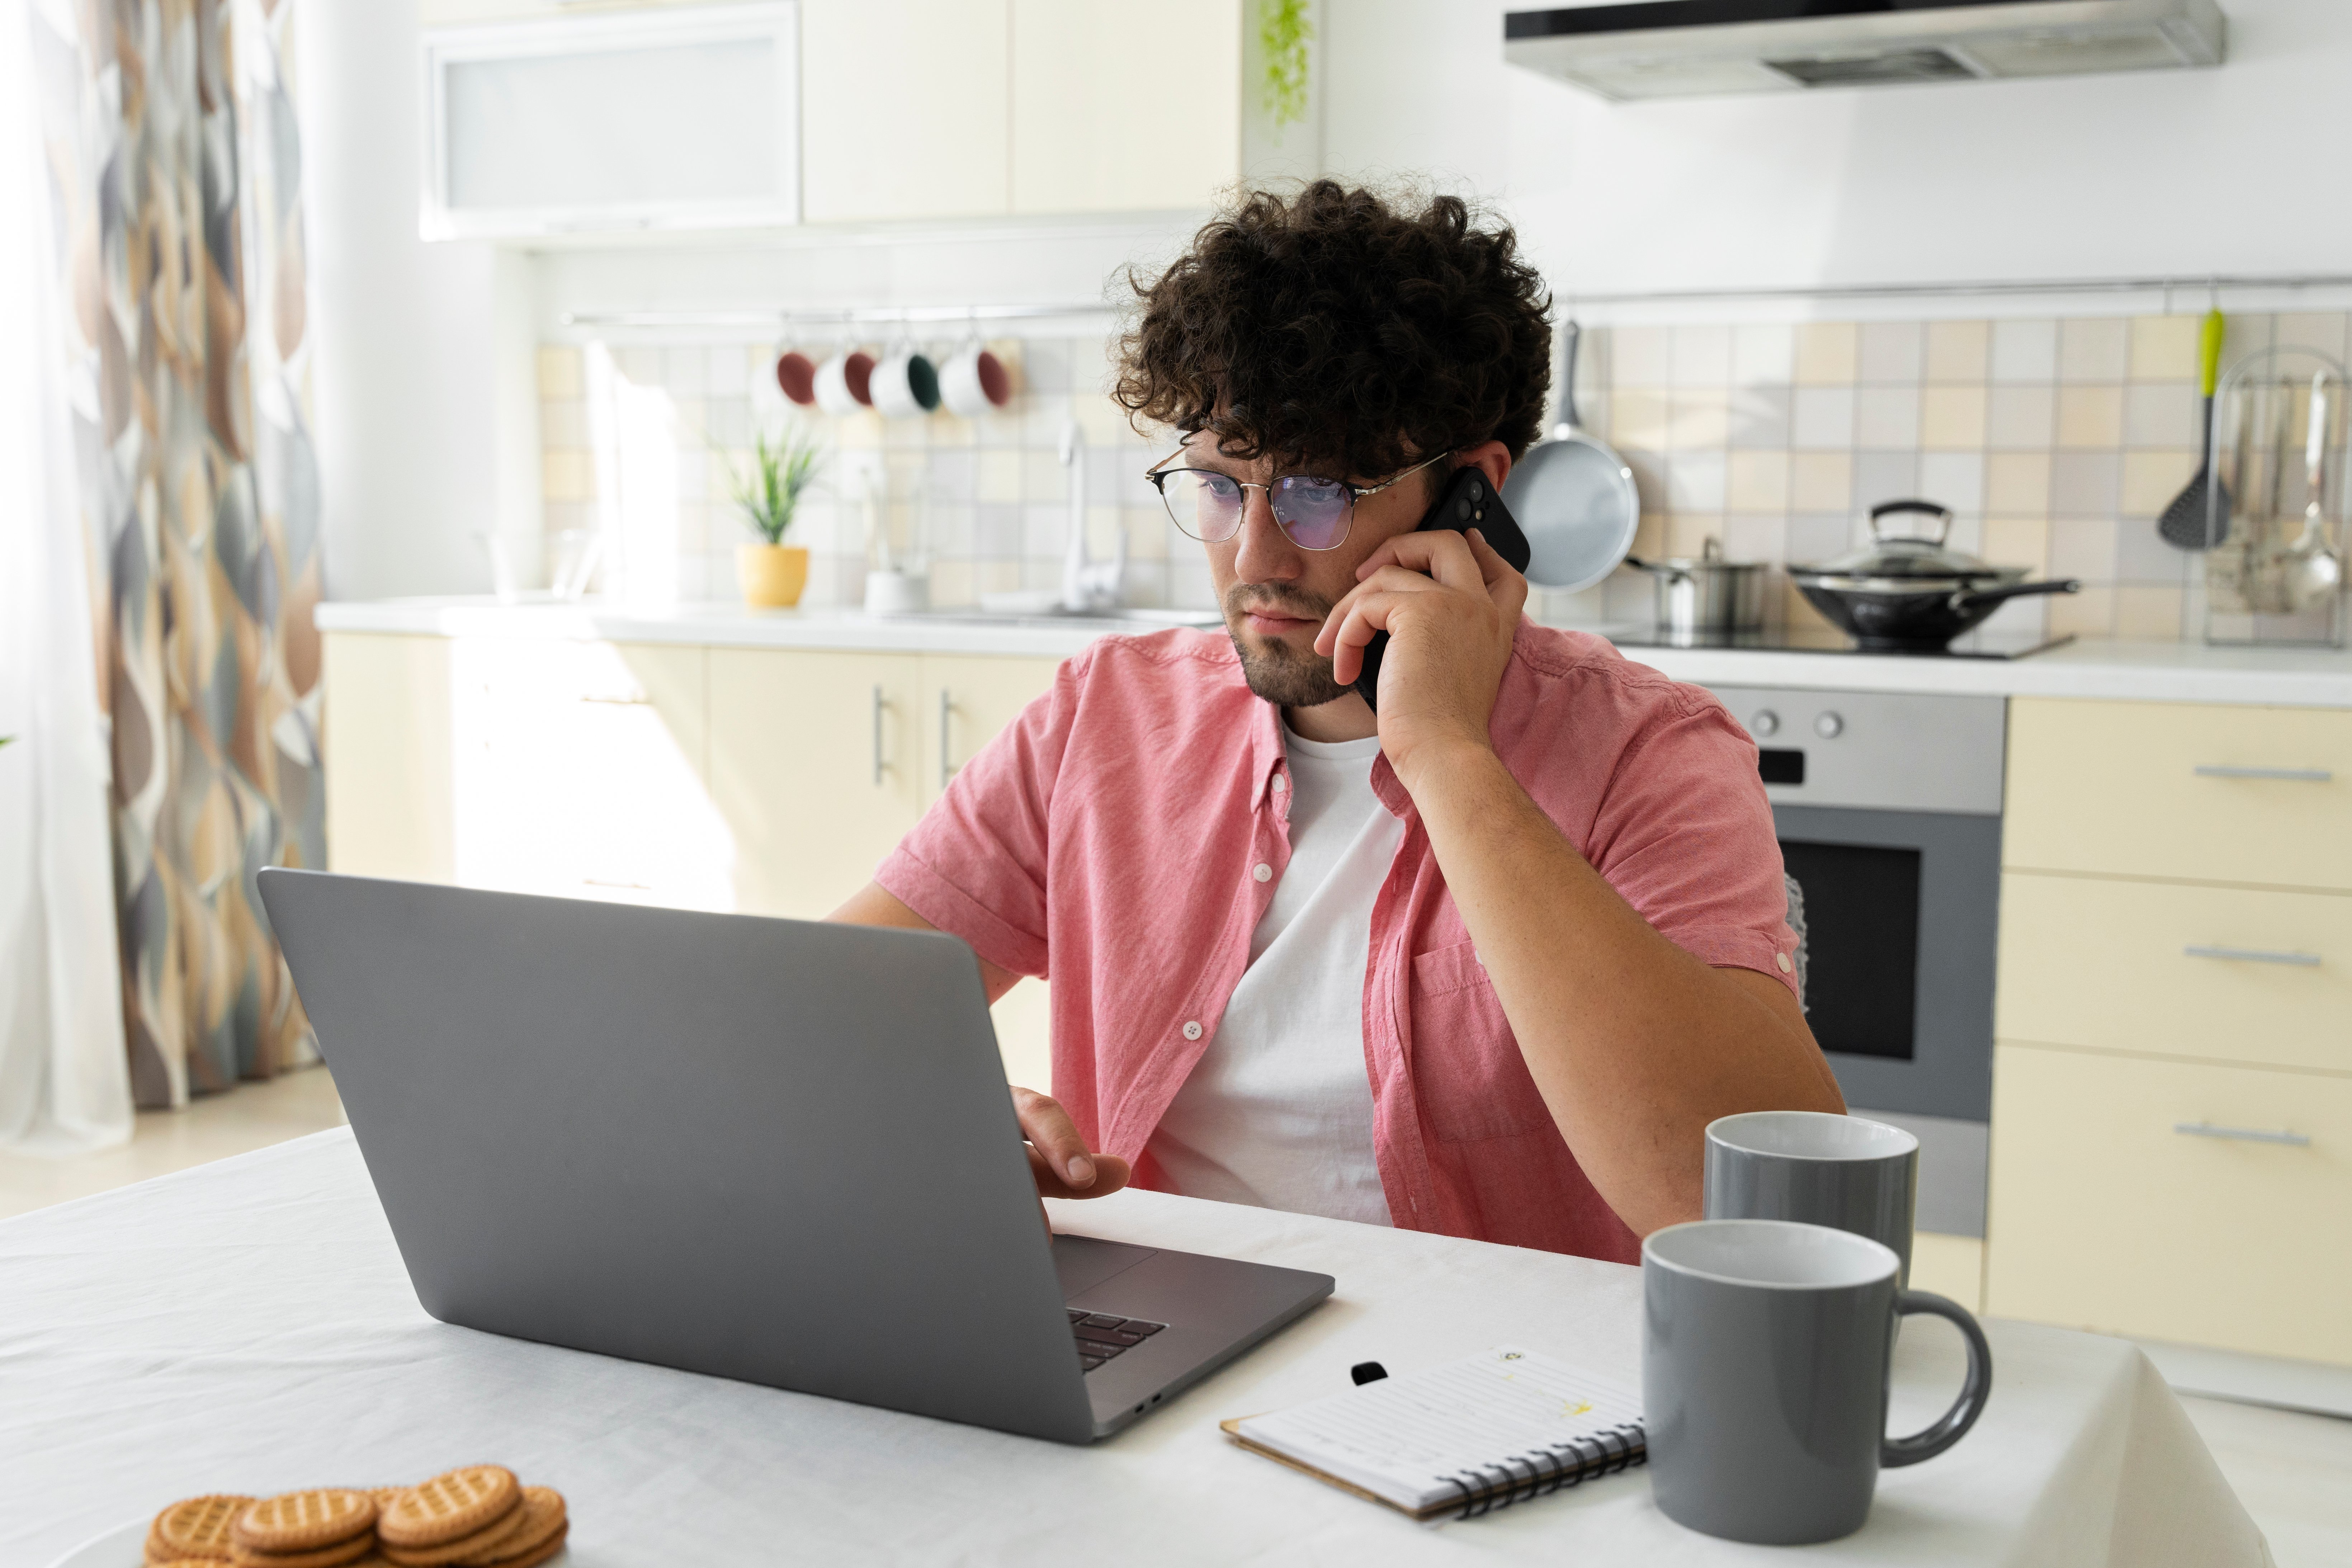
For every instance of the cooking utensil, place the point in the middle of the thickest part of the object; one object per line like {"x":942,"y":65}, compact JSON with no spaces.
{"x":1904,"y":595}
{"x":1707,"y":593}
{"x":2199,"y":515}
{"x":2315,"y":573}
{"x":1573,"y":497}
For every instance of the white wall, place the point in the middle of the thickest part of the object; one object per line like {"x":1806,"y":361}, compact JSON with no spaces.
{"x":405,"y":385}
{"x":2189,"y":173}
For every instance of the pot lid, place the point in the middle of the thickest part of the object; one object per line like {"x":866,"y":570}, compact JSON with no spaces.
{"x":1906,"y":555}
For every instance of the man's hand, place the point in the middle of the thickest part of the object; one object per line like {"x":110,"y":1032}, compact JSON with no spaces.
{"x":1058,"y":1157}
{"x":1451,"y":606}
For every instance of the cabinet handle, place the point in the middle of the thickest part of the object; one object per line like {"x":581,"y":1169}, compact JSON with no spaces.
{"x":638,"y":701}
{"x":601,"y":882}
{"x":2293,"y":776}
{"x":878,"y":705}
{"x":2241,"y":1134}
{"x":2253,"y":955}
{"x":947,"y":729}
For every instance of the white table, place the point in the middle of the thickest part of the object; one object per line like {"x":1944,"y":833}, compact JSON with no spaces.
{"x":248,"y":1326}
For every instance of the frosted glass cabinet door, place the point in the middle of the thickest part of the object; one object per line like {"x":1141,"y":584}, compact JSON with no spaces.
{"x":634,"y":119}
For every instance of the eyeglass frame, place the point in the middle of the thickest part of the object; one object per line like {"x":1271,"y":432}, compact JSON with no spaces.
{"x":1158,"y":476}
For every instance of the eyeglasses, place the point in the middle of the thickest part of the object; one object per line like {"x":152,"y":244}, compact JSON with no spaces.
{"x":1313,"y":514}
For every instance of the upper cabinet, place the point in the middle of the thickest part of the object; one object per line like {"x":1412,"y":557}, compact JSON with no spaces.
{"x":903,"y":110}
{"x":647,"y":118}
{"x":546,"y":117}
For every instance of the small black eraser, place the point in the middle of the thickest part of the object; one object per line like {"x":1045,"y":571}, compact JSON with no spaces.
{"x":1365,"y":1372}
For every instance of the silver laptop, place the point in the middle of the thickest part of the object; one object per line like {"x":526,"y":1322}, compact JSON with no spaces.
{"x":777,"y":1150}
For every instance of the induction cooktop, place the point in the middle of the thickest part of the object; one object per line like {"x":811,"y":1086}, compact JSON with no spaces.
{"x":1829,"y":639}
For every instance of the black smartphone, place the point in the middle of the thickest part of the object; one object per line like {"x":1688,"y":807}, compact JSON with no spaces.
{"x":1468,"y":501}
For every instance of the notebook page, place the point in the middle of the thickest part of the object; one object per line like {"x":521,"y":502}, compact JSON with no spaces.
{"x":1402,"y":1438}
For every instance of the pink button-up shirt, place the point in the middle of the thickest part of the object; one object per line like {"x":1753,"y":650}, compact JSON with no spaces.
{"x":1125,"y":833}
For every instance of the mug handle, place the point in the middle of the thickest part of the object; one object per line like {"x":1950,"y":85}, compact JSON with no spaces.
{"x":1953,"y":1423}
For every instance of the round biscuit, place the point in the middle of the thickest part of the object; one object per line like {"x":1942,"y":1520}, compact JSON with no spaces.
{"x":334,"y":1556}
{"x":198,"y":1526}
{"x":294,"y":1524}
{"x":484,"y":1538}
{"x":451,"y":1505}
{"x":540,"y":1553}
{"x":542,"y":1517}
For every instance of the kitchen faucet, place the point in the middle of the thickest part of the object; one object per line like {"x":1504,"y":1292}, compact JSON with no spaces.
{"x":1088,"y":586}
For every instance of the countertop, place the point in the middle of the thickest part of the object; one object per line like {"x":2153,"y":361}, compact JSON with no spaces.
{"x":2115,"y":670}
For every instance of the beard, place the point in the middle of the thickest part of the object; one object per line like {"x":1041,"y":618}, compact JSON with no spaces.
{"x":1275,"y":671}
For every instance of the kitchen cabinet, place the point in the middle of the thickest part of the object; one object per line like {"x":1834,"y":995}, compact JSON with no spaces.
{"x":904,"y":108}
{"x":2171,"y":1150}
{"x":386,"y":739}
{"x":467,"y":13}
{"x":2107,"y":1215}
{"x":1136,"y":105}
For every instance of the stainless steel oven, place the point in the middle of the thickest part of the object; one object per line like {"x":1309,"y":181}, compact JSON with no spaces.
{"x":1888,"y":811}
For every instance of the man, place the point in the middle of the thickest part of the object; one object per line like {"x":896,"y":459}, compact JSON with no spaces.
{"x":1485,"y":965}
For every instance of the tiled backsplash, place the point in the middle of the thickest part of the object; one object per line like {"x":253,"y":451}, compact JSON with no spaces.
{"x":2055,"y":442}
{"x":983,"y":503}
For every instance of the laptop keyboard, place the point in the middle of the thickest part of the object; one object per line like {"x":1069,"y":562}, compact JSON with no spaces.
{"x":1101,"y":1336}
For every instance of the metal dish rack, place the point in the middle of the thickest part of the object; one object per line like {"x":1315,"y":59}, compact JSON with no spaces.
{"x":2276,"y":519}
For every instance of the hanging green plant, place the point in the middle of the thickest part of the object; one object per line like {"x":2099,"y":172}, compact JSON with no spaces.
{"x":1284,"y":30}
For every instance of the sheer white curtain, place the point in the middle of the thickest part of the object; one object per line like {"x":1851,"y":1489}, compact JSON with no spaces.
{"x":65,"y":1084}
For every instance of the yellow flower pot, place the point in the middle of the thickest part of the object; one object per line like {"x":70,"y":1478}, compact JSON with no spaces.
{"x":772,"y":574}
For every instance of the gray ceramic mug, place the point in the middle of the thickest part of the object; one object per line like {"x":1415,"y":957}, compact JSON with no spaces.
{"x":1764,"y":1366}
{"x":1839,"y":1170}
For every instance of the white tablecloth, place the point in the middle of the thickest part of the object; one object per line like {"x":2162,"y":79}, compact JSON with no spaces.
{"x":248,"y":1326}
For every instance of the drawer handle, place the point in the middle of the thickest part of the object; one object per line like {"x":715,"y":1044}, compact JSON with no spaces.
{"x":621,"y":701}
{"x":2241,"y":1134}
{"x":601,"y":882}
{"x":947,"y":734}
{"x":879,"y":704}
{"x":2254,"y":955}
{"x":2293,"y":776}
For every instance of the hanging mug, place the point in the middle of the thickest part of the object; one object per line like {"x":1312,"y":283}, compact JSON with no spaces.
{"x":844,"y":382}
{"x":975,"y":381}
{"x":795,"y":375}
{"x":905,"y":384}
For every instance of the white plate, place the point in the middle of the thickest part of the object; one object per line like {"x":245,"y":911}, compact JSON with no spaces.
{"x":123,"y":1547}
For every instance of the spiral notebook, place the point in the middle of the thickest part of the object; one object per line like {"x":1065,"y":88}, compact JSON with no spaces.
{"x":1464,"y":1438}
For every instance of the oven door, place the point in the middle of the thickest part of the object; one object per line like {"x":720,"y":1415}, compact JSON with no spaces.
{"x":1901,"y":911}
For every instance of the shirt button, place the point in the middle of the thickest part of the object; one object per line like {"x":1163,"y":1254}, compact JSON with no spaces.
{"x":1280,"y":784}
{"x":1782,"y":960}
{"x":1263,"y":872}
{"x":1191,"y":1029}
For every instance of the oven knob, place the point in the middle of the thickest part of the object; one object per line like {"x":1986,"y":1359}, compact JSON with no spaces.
{"x":1829,"y":726}
{"x":1766,"y":722}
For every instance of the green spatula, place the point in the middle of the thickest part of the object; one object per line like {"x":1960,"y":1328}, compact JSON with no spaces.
{"x":2185,"y":523}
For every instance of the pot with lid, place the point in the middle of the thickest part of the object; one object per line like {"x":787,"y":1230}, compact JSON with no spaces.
{"x":1707,"y":593}
{"x":1911,"y":594}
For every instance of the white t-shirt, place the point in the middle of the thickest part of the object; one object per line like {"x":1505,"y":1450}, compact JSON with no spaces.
{"x":1278,"y":1110}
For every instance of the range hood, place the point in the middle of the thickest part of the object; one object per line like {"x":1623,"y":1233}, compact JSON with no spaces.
{"x":1680,"y":48}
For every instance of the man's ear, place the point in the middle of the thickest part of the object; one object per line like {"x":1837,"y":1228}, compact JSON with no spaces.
{"x":1492,"y":455}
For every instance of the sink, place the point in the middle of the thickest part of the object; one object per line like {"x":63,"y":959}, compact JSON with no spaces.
{"x":1140,"y":617}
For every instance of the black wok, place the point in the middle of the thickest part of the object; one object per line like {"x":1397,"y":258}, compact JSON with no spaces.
{"x":1912,"y":595}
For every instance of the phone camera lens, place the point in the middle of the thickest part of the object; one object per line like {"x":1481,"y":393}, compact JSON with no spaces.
{"x":1462,"y":508}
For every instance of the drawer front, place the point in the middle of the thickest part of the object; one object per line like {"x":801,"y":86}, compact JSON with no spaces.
{"x":2154,"y":789}
{"x":2104,"y":1217}
{"x":2229,"y":973}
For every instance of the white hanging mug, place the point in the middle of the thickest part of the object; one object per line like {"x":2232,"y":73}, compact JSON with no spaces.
{"x":844,"y":382}
{"x":975,"y":381}
{"x":905,"y":384}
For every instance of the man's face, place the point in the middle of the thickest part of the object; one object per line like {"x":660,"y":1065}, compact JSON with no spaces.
{"x":1275,"y":594}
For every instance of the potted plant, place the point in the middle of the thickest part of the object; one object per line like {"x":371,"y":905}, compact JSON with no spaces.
{"x":773,"y":572}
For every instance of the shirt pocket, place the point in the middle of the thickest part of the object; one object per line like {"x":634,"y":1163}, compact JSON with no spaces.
{"x":1468,"y":1072}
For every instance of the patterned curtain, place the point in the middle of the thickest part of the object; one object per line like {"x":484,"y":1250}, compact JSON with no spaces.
{"x":178,"y":183}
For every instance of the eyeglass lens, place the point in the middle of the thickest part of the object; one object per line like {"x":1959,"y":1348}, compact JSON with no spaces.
{"x":1314,"y":513}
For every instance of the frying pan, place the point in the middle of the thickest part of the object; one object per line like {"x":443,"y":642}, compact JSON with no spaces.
{"x":1574,"y":498}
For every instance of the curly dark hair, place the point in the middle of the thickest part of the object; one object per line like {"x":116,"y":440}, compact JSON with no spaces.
{"x":1337,"y":328}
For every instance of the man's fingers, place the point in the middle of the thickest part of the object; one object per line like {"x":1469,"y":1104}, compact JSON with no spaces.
{"x":1505,"y":584}
{"x":1111,"y":1173}
{"x":1367,"y":616}
{"x":1058,"y":1156}
{"x":1438,"y":553}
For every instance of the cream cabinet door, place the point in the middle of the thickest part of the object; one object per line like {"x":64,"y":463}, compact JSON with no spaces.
{"x":391,"y":796}
{"x":816,"y":768}
{"x":967,"y":700}
{"x":903,"y":110}
{"x":2242,"y":974}
{"x":580,"y":772}
{"x":2105,"y":1214}
{"x":2202,"y":793}
{"x":1132,"y":106}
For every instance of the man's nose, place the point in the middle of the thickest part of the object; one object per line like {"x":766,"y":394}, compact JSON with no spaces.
{"x":1264,"y":554}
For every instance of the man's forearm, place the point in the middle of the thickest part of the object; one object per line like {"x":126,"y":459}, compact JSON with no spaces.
{"x":1634,"y":1043}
